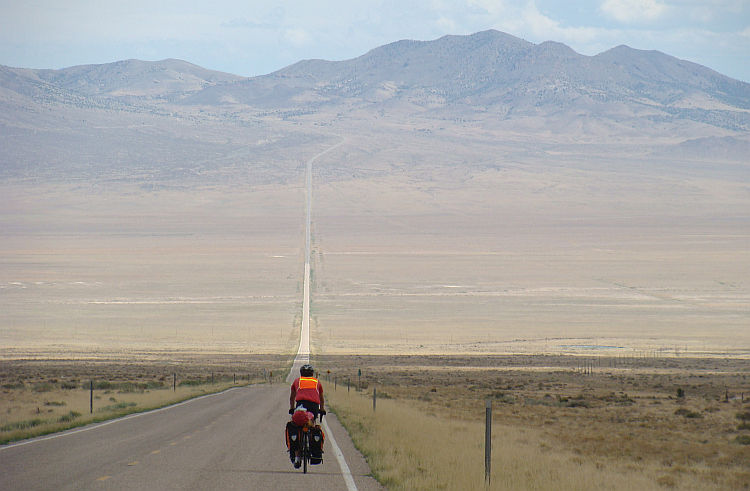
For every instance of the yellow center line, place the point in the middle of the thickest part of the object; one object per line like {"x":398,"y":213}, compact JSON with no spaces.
{"x":156,"y":451}
{"x":103,"y":478}
{"x":133,"y":463}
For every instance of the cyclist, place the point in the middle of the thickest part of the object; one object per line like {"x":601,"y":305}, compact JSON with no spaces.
{"x":306,"y":392}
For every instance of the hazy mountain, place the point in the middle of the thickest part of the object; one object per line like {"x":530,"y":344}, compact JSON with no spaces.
{"x":489,"y":77}
{"x":500,"y":76}
{"x":99,"y":85}
{"x":136,"y":78}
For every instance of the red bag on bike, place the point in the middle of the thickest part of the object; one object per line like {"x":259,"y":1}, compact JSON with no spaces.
{"x":303,"y":418}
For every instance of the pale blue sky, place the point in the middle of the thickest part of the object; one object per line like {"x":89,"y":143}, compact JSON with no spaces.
{"x":249,"y":37}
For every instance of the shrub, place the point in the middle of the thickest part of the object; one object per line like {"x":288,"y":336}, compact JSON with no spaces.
{"x":694,"y":415}
{"x":577,"y":403}
{"x":688,"y":413}
{"x":190,"y":383}
{"x":680,"y":392}
{"x":44,"y":387}
{"x":118,"y":407}
{"x":742,"y":439}
{"x":66,"y":418}
{"x":22,"y":425}
{"x":744,"y":416}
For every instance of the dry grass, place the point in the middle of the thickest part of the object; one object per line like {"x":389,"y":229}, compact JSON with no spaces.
{"x":24,"y":416}
{"x":410,"y":450}
{"x":553,"y":428}
{"x":41,"y":397}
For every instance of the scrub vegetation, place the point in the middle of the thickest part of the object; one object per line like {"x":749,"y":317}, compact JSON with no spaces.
{"x":554,"y":426}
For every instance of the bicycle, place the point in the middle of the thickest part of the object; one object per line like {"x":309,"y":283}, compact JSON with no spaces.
{"x":304,"y":444}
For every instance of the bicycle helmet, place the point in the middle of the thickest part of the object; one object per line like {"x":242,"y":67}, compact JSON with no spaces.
{"x":306,"y":371}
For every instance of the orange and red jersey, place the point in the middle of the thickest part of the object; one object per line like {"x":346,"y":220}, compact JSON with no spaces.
{"x":307,"y":389}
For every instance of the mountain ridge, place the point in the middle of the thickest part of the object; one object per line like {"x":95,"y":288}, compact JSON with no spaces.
{"x":489,"y":75}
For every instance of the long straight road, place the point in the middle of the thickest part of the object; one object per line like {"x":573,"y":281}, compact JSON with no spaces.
{"x":228,"y":441}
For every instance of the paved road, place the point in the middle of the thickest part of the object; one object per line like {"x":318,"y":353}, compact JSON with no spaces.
{"x":229,"y":441}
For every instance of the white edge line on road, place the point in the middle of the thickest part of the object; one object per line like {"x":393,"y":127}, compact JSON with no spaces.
{"x":345,"y":471}
{"x":112,"y":421}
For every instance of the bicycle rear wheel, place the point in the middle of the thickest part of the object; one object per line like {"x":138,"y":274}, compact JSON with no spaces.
{"x":305,"y":450}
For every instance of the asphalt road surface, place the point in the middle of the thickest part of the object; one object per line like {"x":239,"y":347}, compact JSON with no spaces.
{"x":228,"y":441}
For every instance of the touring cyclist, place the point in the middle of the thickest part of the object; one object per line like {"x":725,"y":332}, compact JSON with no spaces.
{"x":307,"y":392}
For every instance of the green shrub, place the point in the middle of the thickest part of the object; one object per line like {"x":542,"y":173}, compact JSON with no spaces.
{"x":118,"y":407}
{"x":66,"y":418}
{"x":22,"y":425}
{"x":688,"y":413}
{"x":743,"y":439}
{"x":190,"y":383}
{"x":44,"y":387}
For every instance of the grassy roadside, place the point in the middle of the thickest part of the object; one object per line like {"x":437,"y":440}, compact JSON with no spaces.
{"x":409,"y":449}
{"x":41,"y":395}
{"x":62,"y":410}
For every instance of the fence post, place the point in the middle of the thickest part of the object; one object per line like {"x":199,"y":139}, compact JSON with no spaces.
{"x":487,"y":442}
{"x":91,"y":399}
{"x":374,"y":397}
{"x":174,"y":382}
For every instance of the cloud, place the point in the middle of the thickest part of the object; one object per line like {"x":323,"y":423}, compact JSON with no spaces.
{"x":272,"y":20}
{"x":630,"y":11}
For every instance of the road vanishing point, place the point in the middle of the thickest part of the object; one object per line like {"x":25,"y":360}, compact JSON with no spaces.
{"x":228,"y":441}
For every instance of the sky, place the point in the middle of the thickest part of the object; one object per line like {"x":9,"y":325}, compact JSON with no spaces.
{"x":250,"y":37}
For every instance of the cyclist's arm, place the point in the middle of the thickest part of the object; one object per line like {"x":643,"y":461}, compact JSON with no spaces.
{"x":292,"y":398}
{"x":322,"y":399}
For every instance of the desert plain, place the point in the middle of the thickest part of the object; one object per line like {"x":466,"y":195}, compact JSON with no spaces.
{"x":431,"y":245}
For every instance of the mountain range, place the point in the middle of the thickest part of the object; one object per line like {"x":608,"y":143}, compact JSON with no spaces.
{"x":490,"y":78}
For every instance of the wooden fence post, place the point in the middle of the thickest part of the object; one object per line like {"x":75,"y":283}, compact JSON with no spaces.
{"x":487,"y":442}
